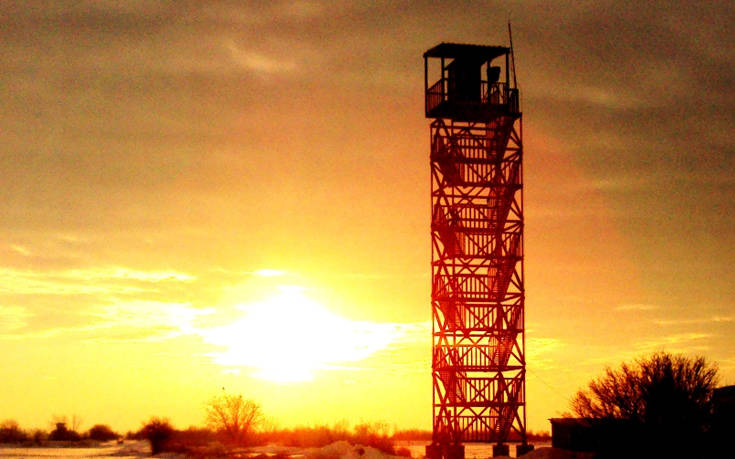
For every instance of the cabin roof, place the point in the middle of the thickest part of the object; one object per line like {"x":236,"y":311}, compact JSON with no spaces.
{"x":458,"y":50}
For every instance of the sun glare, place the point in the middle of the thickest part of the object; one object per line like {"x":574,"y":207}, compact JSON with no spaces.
{"x":269,"y":272}
{"x":289,"y":336}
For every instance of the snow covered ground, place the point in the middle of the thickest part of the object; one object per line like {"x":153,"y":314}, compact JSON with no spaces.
{"x":129,"y":449}
{"x":337,"y":450}
{"x":138,"y":449}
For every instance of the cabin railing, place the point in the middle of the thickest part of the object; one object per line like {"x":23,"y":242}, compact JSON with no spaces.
{"x":494,"y":94}
{"x":435,"y":95}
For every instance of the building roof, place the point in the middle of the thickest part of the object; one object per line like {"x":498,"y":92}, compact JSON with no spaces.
{"x":457,"y":50}
{"x":570,"y":421}
{"x":724,"y":394}
{"x":729,"y":390}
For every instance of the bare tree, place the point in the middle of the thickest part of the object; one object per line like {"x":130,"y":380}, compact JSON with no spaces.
{"x":233,"y":416}
{"x":76,"y":422}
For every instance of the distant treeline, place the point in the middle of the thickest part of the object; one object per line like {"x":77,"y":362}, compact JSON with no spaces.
{"x":377,"y":435}
{"x":207,"y":442}
{"x":196,"y":441}
{"x":10,"y":432}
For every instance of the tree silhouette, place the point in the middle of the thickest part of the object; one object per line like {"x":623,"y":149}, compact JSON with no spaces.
{"x":62,"y":433}
{"x":158,"y":432}
{"x":667,"y":396}
{"x":102,"y":432}
{"x":233,"y":416}
{"x":10,"y":432}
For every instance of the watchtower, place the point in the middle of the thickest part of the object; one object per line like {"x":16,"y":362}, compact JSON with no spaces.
{"x":477,"y":294}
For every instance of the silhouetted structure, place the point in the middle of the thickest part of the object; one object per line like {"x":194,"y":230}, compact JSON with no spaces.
{"x":723,"y":418}
{"x":605,"y":437}
{"x":664,"y":401}
{"x":477,"y":248}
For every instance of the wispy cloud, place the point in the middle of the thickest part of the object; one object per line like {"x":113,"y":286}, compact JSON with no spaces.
{"x":256,"y":61}
{"x":700,"y":320}
{"x":13,"y":318}
{"x":636,"y":307}
{"x":109,"y":280}
{"x":600,"y":96}
{"x":540,"y":352}
{"x":676,"y":343}
{"x":140,"y":314}
{"x":21,"y":250}
{"x":267,"y":272}
{"x":136,"y":321}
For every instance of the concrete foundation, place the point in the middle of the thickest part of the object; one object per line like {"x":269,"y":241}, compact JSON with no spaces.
{"x":433,"y":451}
{"x":501,"y":449}
{"x":437,"y":451}
{"x":523,"y":449}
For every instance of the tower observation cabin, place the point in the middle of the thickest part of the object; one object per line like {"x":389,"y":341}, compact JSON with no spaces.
{"x":477,"y":291}
{"x":469,"y":87}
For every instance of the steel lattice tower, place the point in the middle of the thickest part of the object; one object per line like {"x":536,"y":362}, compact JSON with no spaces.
{"x":478,"y":361}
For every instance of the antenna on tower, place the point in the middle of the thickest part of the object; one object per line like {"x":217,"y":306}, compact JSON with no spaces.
{"x":512,"y":56}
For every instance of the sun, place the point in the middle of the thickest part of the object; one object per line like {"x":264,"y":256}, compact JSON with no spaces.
{"x":287,"y":337}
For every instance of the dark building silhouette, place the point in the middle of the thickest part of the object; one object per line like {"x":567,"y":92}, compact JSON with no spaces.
{"x":723,"y":418}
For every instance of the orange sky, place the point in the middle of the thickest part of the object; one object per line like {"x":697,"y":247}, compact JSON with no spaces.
{"x":213,"y":194}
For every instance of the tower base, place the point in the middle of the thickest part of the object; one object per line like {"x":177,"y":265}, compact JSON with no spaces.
{"x":501,"y":449}
{"x":439,"y":451}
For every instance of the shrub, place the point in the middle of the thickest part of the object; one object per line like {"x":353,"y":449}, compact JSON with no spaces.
{"x":158,"y":432}
{"x":39,"y":436}
{"x":101,"y":432}
{"x":376,"y":435}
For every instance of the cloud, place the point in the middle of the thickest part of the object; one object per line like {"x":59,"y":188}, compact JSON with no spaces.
{"x":676,"y":343}
{"x":636,"y":307}
{"x":179,"y":317}
{"x":604,"y":98}
{"x":542,"y":352}
{"x":269,"y":272}
{"x":258,"y":62}
{"x":304,"y":9}
{"x":123,"y":273}
{"x":121,"y":321}
{"x":85,"y":281}
{"x":21,"y":250}
{"x":700,"y":320}
{"x":13,"y":318}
